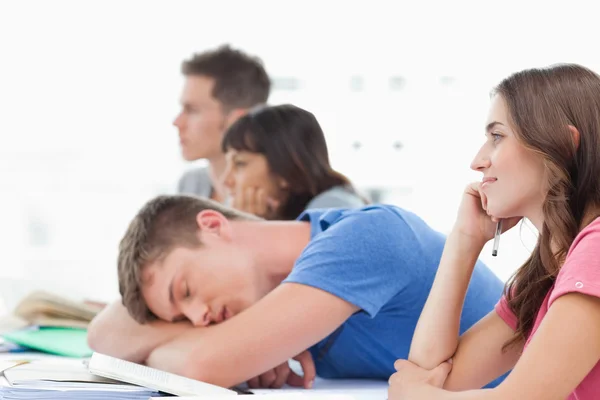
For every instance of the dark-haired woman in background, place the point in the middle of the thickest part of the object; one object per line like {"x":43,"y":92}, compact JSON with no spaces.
{"x":278,"y":165}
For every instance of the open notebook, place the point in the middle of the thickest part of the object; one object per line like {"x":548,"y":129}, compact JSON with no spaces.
{"x":125,"y":371}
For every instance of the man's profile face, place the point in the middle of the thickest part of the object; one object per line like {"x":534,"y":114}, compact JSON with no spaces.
{"x":204,"y":285}
{"x":202,"y":120}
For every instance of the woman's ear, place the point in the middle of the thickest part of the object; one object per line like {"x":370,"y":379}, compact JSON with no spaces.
{"x":282,"y":183}
{"x":575,"y":136}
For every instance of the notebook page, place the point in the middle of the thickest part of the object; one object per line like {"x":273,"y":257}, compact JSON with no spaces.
{"x":115,"y":368}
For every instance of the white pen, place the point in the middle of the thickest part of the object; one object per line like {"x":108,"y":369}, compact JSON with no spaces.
{"x":497,"y":238}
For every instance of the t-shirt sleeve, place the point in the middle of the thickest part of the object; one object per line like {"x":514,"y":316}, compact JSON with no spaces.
{"x":335,"y":198}
{"x":181,"y":184}
{"x":196,"y":182}
{"x":581,"y":271}
{"x":365,"y":258}
{"x":506,"y":314}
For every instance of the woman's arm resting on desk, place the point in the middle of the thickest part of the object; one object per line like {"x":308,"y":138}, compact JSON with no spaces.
{"x":563,"y":351}
{"x":479,"y":358}
{"x":284,"y":323}
{"x":436,"y":336}
{"x":115,"y":333}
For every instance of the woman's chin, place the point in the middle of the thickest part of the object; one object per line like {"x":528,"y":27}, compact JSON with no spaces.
{"x":498,"y":213}
{"x":501,"y":214}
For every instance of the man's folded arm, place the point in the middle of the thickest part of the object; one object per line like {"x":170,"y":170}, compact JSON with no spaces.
{"x":114,"y":332}
{"x":284,"y":323}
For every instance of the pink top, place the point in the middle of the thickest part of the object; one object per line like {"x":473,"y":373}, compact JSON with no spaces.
{"x":580,"y":273}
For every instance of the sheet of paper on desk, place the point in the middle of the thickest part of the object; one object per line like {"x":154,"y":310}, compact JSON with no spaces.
{"x":357,"y":389}
{"x":69,"y":393}
{"x":4,"y":365}
{"x":45,"y":372}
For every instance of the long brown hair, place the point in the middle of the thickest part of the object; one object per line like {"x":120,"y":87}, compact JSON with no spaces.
{"x":542,"y":104}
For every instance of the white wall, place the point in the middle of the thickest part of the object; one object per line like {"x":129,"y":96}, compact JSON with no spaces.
{"x":88,"y":90}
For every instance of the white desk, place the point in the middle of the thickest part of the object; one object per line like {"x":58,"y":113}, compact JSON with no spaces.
{"x":358,"y":389}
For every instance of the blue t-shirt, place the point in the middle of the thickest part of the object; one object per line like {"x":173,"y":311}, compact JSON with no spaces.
{"x":383,"y":260}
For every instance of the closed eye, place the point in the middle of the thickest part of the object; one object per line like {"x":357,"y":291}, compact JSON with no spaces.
{"x":187,"y":291}
{"x":184,"y":290}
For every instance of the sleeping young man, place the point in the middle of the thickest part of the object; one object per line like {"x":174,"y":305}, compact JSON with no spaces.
{"x":224,"y":297}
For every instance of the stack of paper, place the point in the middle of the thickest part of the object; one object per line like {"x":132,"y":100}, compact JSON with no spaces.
{"x":49,"y":323}
{"x":46,"y":309}
{"x":10,"y":323}
{"x":68,"y":379}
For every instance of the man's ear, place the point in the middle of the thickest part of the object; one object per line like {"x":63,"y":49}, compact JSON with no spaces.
{"x":234,"y":115}
{"x":575,"y":135}
{"x":215,"y":223}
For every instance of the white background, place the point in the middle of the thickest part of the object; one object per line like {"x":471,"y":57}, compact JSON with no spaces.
{"x":88,"y":90}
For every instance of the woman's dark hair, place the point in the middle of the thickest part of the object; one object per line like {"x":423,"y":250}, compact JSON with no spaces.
{"x":293,"y":143}
{"x":542,"y":104}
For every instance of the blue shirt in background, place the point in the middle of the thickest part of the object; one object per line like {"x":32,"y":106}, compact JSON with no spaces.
{"x":383,"y":260}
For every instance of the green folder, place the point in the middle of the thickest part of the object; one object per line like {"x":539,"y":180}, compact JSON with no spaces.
{"x":69,"y":342}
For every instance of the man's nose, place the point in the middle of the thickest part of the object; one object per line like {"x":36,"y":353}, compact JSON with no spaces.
{"x":178,"y":121}
{"x":198,"y":314}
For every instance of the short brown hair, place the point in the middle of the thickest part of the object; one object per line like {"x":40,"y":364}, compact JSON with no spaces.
{"x":162,"y":224}
{"x":241,"y":80}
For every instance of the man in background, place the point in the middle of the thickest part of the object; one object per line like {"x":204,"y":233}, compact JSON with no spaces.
{"x":220,"y":86}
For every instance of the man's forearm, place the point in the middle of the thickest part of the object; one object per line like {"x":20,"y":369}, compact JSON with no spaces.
{"x":198,"y":354}
{"x":115,"y":333}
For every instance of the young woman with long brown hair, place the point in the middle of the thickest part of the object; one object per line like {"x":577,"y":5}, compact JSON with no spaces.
{"x":541,"y":162}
